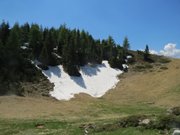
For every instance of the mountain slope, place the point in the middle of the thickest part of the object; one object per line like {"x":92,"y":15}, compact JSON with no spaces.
{"x":143,"y":91}
{"x":160,"y":86}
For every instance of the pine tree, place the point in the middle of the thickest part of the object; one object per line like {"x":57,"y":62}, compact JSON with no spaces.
{"x":12,"y":56}
{"x":69,"y":55}
{"x":25,"y":33}
{"x":126,"y":45}
{"x":99,"y":52}
{"x":111,"y":45}
{"x":104,"y":49}
{"x":83,"y":44}
{"x":108,"y":48}
{"x":74,"y":47}
{"x":1,"y":55}
{"x":35,"y":40}
{"x":62,"y":35}
{"x":146,"y":53}
{"x":14,"y":38}
{"x":44,"y":56}
{"x":90,"y":51}
{"x":4,"y":32}
{"x":79,"y":49}
{"x":54,"y":37}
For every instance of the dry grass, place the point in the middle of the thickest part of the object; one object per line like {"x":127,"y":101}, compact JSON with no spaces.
{"x":157,"y":87}
{"x":160,"y":88}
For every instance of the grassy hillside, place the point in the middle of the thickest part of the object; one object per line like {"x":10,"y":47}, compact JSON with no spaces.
{"x":159,"y":85}
{"x":149,"y":91}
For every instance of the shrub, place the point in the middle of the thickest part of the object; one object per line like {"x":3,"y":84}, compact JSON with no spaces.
{"x":142,"y":67}
{"x":164,"y":68}
{"x":131,"y":60}
{"x":175,"y":111}
{"x":131,"y":121}
{"x":115,"y":63}
{"x":164,"y":60}
{"x":148,"y":66}
{"x":165,"y":122}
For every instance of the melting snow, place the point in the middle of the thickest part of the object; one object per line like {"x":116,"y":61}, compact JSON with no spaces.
{"x":94,"y":80}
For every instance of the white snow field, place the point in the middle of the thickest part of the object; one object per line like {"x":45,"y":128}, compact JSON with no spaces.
{"x":94,"y":80}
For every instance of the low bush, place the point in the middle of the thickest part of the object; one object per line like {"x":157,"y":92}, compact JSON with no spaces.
{"x":131,"y":121}
{"x":143,"y":67}
{"x":175,"y":111}
{"x":164,"y":60}
{"x":164,"y":68}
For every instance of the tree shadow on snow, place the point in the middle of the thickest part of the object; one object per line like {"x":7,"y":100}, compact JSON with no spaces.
{"x":53,"y":71}
{"x":92,"y":70}
{"x":79,"y":81}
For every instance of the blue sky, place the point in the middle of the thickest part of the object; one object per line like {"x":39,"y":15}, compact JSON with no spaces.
{"x":152,"y":22}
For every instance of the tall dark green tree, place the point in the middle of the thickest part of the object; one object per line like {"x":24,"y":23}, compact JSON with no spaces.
{"x":99,"y":52}
{"x":79,"y":48}
{"x":14,"y":41}
{"x":25,"y":33}
{"x":83,"y":51}
{"x":44,"y":56}
{"x":126,"y":45}
{"x":62,"y":38}
{"x":35,"y":40}
{"x":4,"y":32}
{"x":12,"y":55}
{"x":111,"y":45}
{"x":1,"y":54}
{"x":69,"y":64}
{"x":90,"y":49}
{"x":146,"y":53}
{"x":54,"y":37}
{"x":107,"y":47}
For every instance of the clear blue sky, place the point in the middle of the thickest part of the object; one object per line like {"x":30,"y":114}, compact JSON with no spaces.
{"x":152,"y":22}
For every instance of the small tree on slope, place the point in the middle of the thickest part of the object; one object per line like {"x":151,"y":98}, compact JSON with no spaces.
{"x":146,"y":53}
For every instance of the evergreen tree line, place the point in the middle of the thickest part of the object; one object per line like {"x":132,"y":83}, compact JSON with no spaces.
{"x":22,"y":44}
{"x":14,"y":65}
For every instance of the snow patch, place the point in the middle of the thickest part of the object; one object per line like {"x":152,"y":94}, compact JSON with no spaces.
{"x":59,"y":57}
{"x":24,"y":47}
{"x":129,"y":57}
{"x":95,"y":81}
{"x":125,"y":66}
{"x":176,"y":132}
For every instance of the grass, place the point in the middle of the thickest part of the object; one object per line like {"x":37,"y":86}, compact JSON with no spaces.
{"x":164,"y":60}
{"x":102,"y":113}
{"x":28,"y":127}
{"x":129,"y":131}
{"x":139,"y":108}
{"x":55,"y":127}
{"x":130,"y":125}
{"x":176,"y":89}
{"x":137,"y":93}
{"x":143,"y":67}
